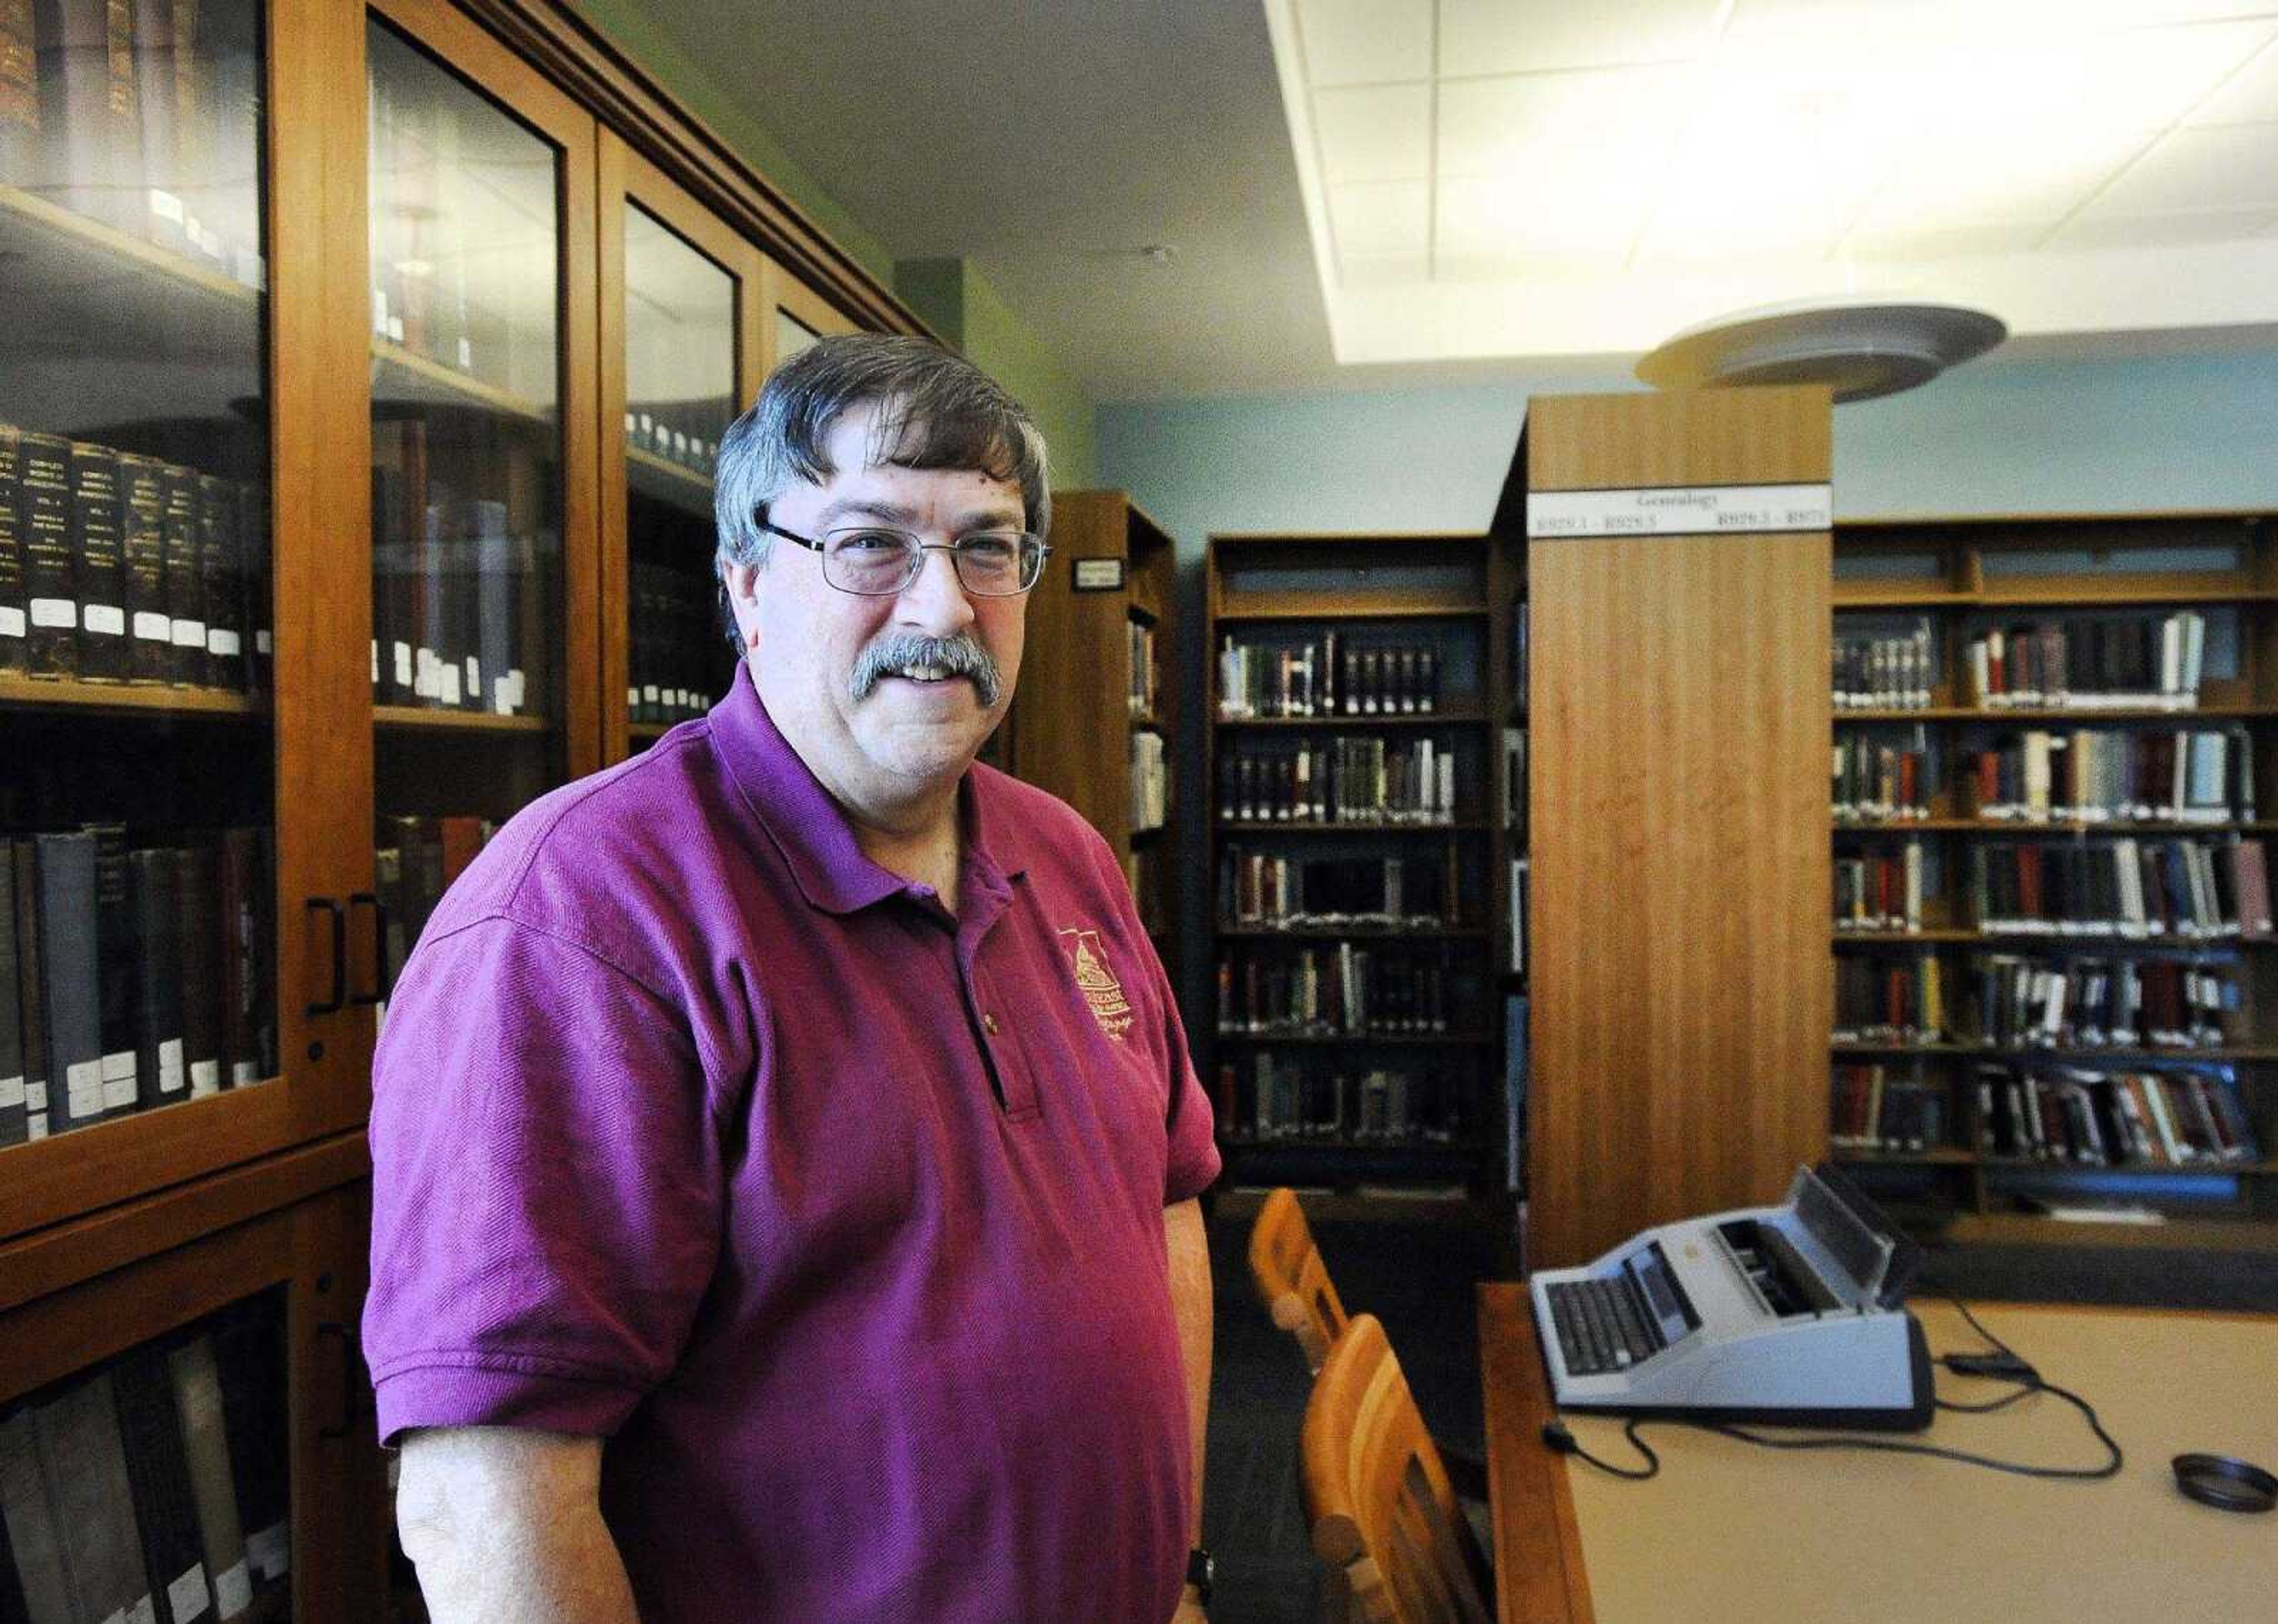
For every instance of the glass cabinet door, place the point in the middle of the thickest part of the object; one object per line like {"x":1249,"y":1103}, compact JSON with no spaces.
{"x":481,"y":626}
{"x":797,"y":316}
{"x":678,"y":323}
{"x":139,"y":975}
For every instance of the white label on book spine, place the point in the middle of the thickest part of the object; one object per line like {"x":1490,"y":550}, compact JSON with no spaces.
{"x":233,"y":1590}
{"x":260,"y":642}
{"x":108,"y":620}
{"x":269,"y":1552}
{"x":1679,"y":510}
{"x":11,"y":1093}
{"x":189,"y":633}
{"x":242,"y":1072}
{"x":448,"y":676}
{"x":402,"y":665}
{"x":83,"y":1089}
{"x":59,"y":614}
{"x":150,"y":627}
{"x":187,"y":1595}
{"x":205,"y":1078}
{"x":118,"y":1080}
{"x":225,"y":644}
{"x":172,"y":1078}
{"x":11,"y":621}
{"x":143,"y":1612}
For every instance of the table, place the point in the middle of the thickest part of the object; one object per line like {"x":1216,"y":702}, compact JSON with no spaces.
{"x":1731,"y":1532}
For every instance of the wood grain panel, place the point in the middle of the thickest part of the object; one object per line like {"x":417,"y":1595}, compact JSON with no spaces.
{"x":1677,"y":772}
{"x":1540,"y":1577}
{"x":1069,"y":730}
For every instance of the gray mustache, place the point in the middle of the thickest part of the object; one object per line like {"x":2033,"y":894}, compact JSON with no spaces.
{"x":961,"y":655}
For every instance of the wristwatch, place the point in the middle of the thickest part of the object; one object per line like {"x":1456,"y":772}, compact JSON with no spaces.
{"x":1201,"y":1571}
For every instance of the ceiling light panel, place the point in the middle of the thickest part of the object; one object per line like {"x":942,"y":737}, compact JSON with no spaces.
{"x":1496,"y":126}
{"x":1548,"y":220}
{"x":1374,"y":132}
{"x":2248,"y":97}
{"x":2089,"y":233}
{"x":1533,"y":36}
{"x":2230,"y":167}
{"x":1364,"y":42}
{"x":1374,"y":217}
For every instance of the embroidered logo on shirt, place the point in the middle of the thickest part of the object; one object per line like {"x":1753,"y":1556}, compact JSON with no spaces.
{"x":1097,"y":983}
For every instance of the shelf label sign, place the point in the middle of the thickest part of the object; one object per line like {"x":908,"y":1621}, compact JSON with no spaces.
{"x":1099,"y":575}
{"x":1679,"y":510}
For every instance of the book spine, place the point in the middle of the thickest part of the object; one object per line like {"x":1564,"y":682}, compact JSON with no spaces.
{"x":114,"y":940}
{"x":158,"y":1474}
{"x":14,"y":1128}
{"x":224,"y":661}
{"x":162,"y":1073}
{"x":30,"y":988}
{"x":85,"y":1466}
{"x":198,"y":904}
{"x":143,"y":553}
{"x":103,"y":641}
{"x":71,"y":990}
{"x":205,"y":1447}
{"x":15,"y":623}
{"x":51,"y":575}
{"x":185,"y":600}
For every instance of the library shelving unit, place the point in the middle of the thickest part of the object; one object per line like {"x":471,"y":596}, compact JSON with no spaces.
{"x":1356,"y":702}
{"x":318,"y":492}
{"x":2020,"y":1086}
{"x":1104,"y":607}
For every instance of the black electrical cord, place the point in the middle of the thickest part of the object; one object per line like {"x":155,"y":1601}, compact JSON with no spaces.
{"x":2001,"y":1365}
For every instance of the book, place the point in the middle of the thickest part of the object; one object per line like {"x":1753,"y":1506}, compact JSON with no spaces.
{"x":199,"y":902}
{"x":30,"y":981}
{"x":158,"y":1472}
{"x":84,"y":1465}
{"x":33,"y":1540}
{"x":186,"y":616}
{"x":71,"y":979}
{"x":14,"y":1128}
{"x":162,"y":1074}
{"x":142,"y":552}
{"x":90,"y":115}
{"x":213,"y":1489}
{"x":220,"y":588}
{"x":50,"y":568}
{"x":244,"y":935}
{"x":250,"y":1358}
{"x":14,"y":621}
{"x":114,"y":948}
{"x":103,"y":642}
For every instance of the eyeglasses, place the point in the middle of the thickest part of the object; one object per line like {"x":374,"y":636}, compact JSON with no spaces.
{"x":872,"y":562}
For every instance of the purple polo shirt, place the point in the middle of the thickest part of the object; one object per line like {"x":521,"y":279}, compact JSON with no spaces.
{"x":840,"y":1217}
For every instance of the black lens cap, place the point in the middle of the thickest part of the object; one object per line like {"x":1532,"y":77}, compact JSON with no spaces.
{"x":2225,"y":1482}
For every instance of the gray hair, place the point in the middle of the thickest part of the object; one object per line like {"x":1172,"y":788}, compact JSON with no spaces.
{"x":938,"y":410}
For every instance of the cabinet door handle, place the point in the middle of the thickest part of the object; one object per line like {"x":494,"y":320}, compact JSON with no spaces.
{"x":383,"y":972}
{"x":338,"y":999}
{"x":348,"y":1384}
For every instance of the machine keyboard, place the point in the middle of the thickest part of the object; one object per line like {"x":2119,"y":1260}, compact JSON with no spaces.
{"x":1601,"y":1325}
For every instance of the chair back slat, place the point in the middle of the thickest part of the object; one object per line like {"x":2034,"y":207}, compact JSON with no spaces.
{"x":1291,"y":1279}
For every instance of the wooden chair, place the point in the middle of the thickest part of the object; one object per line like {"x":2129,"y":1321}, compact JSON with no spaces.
{"x":1291,"y":1278}
{"x":1384,"y":1516}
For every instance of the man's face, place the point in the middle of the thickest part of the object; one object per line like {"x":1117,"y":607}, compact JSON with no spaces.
{"x":906,"y":737}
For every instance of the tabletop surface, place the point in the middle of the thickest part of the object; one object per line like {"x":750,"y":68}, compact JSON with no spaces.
{"x":1731,"y":1532}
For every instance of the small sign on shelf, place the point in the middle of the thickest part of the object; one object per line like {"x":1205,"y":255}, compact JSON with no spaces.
{"x":1099,"y":575}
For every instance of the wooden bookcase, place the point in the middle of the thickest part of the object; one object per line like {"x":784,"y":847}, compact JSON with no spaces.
{"x":434,"y":290}
{"x":1958,"y":579}
{"x":1105,"y":610}
{"x":1390,"y":1069}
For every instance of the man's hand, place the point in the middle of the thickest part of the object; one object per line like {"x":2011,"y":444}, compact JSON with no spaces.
{"x":1190,"y":1610}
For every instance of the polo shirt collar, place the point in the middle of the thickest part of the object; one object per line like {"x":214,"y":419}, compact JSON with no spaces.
{"x":808,"y":828}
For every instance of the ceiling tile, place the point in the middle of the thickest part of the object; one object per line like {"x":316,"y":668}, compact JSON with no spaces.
{"x":1568,"y":216}
{"x":1384,"y":269}
{"x":1379,"y":217}
{"x":1918,"y":243}
{"x":1374,"y":132}
{"x":2229,"y":167}
{"x":1488,"y":126}
{"x":2145,"y":79}
{"x":1528,"y":36}
{"x":2162,"y":230}
{"x":2247,"y":96}
{"x":1364,"y":42}
{"x":1971,"y":173}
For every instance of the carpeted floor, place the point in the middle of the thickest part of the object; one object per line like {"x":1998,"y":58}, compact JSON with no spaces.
{"x":1417,"y":1280}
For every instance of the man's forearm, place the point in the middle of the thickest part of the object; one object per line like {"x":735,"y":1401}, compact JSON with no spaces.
{"x":506,"y":1527}
{"x":1186,"y":1242}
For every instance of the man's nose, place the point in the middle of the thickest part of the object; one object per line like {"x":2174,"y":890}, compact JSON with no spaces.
{"x":936,"y":599}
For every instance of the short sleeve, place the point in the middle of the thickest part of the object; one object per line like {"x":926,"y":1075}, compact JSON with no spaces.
{"x":546,"y":1186}
{"x":1193,"y":1160}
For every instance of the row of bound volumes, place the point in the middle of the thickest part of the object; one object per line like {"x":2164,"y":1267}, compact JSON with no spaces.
{"x":1880,"y":890}
{"x":1150,"y":782}
{"x":2123,"y":1003}
{"x":2081,"y":663}
{"x":1347,"y":990}
{"x":2113,"y":1118}
{"x":2200,"y":776}
{"x":1869,"y":1108}
{"x":1885,"y":674}
{"x":2021,"y":1001}
{"x":1337,"y":893}
{"x":1875,"y":782}
{"x":1329,"y":677}
{"x":684,"y":434}
{"x":416,"y":861}
{"x":1522,"y":873}
{"x":676,"y":654}
{"x":1271,"y":1096}
{"x":155,"y":1488}
{"x":1514,"y":783}
{"x":120,"y":567}
{"x":1143,"y":696}
{"x":131,"y":977}
{"x":2122,"y":887}
{"x":459,"y":615}
{"x":144,"y":115}
{"x":1359,"y":781}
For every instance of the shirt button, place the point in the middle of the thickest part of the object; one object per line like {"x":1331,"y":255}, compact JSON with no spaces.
{"x":989,"y":1025}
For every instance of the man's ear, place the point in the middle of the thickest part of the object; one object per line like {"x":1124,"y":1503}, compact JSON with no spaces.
{"x":741,"y":582}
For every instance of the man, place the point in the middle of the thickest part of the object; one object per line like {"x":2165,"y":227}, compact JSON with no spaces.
{"x":770,"y":1221}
